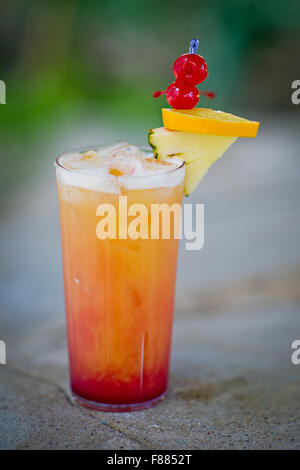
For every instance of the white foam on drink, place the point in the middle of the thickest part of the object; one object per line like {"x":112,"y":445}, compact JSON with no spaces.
{"x":108,"y":169}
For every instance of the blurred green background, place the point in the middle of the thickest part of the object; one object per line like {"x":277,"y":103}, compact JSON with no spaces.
{"x":83,"y":72}
{"x":68,"y":62}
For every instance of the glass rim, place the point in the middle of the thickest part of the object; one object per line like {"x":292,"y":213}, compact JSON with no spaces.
{"x":59,"y":164}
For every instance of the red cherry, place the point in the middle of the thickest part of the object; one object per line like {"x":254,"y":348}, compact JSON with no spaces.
{"x":190,"y":68}
{"x":182,"y":96}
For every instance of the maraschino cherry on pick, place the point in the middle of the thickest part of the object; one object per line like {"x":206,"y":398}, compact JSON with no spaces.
{"x":189,"y":70}
{"x":179,"y":95}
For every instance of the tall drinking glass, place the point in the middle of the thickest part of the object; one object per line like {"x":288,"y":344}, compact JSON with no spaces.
{"x":119,"y":293}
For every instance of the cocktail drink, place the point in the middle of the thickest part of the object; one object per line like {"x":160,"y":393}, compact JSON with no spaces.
{"x":119,"y":289}
{"x":120,"y":274}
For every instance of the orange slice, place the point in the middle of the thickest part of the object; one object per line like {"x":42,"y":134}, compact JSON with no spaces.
{"x":208,"y":121}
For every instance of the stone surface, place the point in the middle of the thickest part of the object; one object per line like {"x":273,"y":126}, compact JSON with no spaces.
{"x":232,"y":386}
{"x":232,"y":383}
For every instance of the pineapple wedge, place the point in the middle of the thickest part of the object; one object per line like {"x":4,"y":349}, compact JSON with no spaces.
{"x":197,"y":150}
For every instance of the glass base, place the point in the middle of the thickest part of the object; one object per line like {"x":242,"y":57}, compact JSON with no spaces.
{"x":117,"y":408}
